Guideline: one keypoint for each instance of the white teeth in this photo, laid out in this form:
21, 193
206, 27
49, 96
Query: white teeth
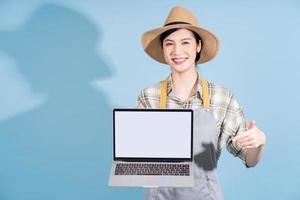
179, 59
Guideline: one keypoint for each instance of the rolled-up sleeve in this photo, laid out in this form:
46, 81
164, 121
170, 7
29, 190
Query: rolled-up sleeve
234, 124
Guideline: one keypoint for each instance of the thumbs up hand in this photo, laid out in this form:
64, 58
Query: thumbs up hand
252, 138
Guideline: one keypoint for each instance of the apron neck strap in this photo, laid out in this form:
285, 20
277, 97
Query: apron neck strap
164, 89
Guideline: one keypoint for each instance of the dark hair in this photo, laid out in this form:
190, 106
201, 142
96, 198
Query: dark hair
168, 32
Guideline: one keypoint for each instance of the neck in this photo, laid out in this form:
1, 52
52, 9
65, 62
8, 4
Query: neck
185, 84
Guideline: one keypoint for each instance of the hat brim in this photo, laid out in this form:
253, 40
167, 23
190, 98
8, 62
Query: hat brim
152, 46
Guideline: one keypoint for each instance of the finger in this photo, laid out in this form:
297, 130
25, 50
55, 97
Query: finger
242, 135
249, 144
244, 139
252, 124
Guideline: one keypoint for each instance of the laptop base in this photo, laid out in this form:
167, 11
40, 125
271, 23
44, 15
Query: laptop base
150, 181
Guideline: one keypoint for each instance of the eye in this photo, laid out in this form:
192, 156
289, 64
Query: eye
185, 42
168, 44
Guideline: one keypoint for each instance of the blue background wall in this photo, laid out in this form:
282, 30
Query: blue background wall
65, 64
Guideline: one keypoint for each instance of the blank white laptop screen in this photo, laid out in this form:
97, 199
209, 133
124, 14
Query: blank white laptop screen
152, 134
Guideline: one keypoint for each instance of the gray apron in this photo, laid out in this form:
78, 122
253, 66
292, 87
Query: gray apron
205, 161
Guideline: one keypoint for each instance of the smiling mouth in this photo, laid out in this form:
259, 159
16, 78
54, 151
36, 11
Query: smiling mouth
179, 61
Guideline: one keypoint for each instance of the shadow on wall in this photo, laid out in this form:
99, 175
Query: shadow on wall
61, 149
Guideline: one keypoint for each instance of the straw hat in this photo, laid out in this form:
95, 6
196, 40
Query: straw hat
180, 18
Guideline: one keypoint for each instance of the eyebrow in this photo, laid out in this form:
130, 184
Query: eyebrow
186, 39
169, 40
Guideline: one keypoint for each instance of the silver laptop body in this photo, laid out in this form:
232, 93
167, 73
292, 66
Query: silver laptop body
152, 148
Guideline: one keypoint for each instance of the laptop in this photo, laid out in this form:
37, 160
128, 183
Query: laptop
152, 148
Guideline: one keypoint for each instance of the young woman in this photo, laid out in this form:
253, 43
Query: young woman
182, 44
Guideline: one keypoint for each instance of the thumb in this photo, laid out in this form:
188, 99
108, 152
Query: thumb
252, 124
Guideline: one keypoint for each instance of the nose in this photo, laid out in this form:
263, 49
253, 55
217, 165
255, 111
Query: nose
177, 49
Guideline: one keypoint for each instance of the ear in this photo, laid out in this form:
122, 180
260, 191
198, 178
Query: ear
199, 46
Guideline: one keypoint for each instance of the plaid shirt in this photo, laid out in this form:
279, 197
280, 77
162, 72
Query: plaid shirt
228, 114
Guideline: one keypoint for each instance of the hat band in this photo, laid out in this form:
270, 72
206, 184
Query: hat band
178, 22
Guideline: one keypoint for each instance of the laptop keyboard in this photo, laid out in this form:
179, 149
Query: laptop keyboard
167, 169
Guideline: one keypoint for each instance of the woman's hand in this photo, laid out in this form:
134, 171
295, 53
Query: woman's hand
252, 138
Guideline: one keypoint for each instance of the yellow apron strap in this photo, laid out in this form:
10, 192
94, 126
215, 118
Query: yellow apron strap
163, 94
205, 97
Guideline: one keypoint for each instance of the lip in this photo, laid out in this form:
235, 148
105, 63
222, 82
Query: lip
179, 61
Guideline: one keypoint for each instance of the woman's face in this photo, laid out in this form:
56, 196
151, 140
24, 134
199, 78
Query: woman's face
180, 49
